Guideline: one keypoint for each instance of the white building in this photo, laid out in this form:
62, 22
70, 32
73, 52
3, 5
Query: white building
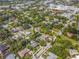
73, 54
52, 56
10, 56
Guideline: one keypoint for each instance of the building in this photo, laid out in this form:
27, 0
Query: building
3, 51
73, 54
10, 56
69, 34
37, 29
51, 56
34, 44
17, 29
24, 52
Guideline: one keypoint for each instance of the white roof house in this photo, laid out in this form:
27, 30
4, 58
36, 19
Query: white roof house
10, 56
52, 56
28, 32
4, 26
33, 43
58, 7
76, 57
74, 54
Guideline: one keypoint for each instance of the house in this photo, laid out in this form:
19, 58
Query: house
46, 37
24, 52
59, 33
34, 44
69, 34
5, 26
54, 38
3, 50
4, 7
51, 56
13, 19
76, 57
61, 7
73, 54
10, 56
37, 29
17, 29
72, 32
27, 33
26, 26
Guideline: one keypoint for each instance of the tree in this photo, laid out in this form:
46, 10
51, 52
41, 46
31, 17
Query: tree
5, 34
42, 42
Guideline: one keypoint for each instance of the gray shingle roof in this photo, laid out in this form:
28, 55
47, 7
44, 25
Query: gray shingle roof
3, 47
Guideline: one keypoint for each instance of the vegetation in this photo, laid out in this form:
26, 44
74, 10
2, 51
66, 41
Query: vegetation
28, 19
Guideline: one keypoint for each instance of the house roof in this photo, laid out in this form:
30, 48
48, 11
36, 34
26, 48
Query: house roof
10, 56
76, 57
52, 56
70, 34
33, 43
3, 47
23, 52
73, 52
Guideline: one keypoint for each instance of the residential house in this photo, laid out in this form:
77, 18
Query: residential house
10, 56
37, 29
34, 44
69, 34
24, 52
59, 33
27, 33
74, 54
72, 32
5, 26
46, 37
3, 51
26, 26
51, 56
17, 29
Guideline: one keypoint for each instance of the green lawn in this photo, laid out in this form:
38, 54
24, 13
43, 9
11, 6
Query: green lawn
61, 46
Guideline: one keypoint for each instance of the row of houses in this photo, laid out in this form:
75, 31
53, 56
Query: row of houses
6, 54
